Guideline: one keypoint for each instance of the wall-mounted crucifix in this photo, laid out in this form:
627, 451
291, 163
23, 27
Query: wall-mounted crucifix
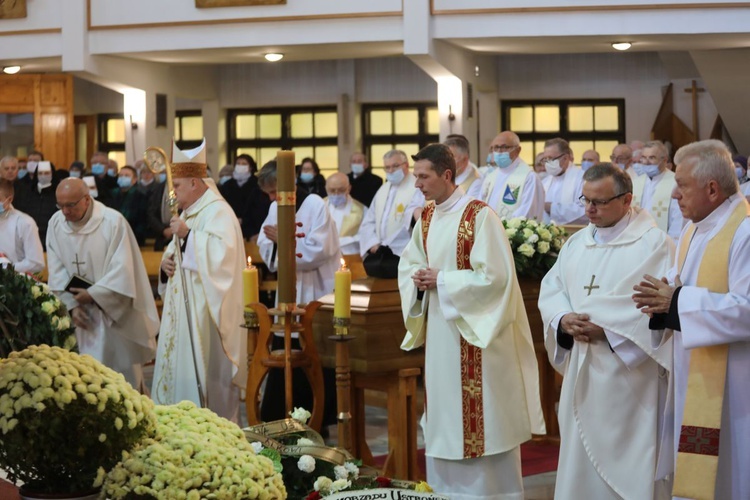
694, 89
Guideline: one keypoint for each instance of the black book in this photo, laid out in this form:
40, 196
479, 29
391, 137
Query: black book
78, 282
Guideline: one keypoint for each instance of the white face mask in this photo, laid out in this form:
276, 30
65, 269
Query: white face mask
358, 168
553, 167
242, 169
395, 177
44, 179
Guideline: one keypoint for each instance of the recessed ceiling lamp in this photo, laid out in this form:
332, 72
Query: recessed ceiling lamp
273, 57
621, 45
11, 70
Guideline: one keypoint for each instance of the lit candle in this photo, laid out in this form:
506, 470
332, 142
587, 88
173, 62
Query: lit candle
342, 292
250, 281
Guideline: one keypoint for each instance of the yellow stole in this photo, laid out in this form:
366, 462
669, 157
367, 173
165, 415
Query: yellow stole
351, 221
698, 451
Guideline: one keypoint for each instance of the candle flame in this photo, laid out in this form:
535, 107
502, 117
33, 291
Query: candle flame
249, 262
343, 263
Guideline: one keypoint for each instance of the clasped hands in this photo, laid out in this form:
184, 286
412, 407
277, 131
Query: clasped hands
425, 279
78, 315
581, 328
655, 295
272, 233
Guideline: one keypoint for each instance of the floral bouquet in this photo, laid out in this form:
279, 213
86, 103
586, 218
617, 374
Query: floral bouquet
535, 245
63, 416
30, 314
193, 454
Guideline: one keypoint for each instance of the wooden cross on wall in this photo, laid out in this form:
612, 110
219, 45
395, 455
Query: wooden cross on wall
694, 90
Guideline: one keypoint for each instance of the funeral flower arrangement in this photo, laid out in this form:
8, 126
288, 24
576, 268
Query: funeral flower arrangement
30, 314
63, 416
535, 245
193, 454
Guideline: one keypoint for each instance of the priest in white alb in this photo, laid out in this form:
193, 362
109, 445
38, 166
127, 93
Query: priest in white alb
20, 244
468, 177
346, 212
512, 189
213, 256
614, 382
562, 185
111, 302
704, 302
461, 299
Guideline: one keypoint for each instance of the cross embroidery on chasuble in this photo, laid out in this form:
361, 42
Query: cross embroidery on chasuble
659, 208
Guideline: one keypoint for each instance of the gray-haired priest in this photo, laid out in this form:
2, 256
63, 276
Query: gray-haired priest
460, 297
213, 256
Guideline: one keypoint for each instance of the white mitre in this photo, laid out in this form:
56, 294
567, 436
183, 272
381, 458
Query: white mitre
189, 163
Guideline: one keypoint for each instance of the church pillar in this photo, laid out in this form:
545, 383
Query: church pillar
215, 132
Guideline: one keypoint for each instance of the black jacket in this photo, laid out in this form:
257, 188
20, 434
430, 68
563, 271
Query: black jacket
365, 186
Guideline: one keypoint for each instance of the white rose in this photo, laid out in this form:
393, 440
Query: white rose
515, 222
257, 447
526, 250
306, 463
527, 233
533, 238
510, 232
340, 472
353, 469
300, 415
543, 247
64, 323
36, 291
340, 485
544, 234
48, 307
305, 442
322, 483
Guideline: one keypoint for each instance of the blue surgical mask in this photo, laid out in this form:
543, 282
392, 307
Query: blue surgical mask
112, 172
76, 174
306, 177
223, 179
162, 177
740, 172
638, 167
97, 168
337, 200
651, 170
124, 182
22, 173
502, 160
395, 177
586, 164
621, 165
358, 168
2, 209
488, 161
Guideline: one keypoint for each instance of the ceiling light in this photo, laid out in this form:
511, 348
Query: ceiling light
621, 45
11, 70
273, 57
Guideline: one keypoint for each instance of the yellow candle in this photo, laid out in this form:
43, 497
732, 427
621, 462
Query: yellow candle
342, 292
250, 281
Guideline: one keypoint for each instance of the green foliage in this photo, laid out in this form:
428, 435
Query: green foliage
535, 245
30, 314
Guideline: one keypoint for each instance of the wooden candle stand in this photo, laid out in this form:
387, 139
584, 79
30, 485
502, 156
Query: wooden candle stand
298, 320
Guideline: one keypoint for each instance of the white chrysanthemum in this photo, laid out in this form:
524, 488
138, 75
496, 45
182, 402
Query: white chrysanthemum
306, 463
300, 415
305, 442
340, 472
257, 446
352, 469
340, 485
322, 483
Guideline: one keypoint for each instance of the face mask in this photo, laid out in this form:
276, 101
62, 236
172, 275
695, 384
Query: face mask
586, 164
306, 177
638, 167
395, 177
488, 161
223, 179
22, 173
75, 174
337, 200
358, 168
502, 160
740, 172
242, 169
621, 165
112, 172
44, 180
124, 182
553, 167
241, 177
145, 182
97, 168
2, 209
651, 170
31, 166
163, 177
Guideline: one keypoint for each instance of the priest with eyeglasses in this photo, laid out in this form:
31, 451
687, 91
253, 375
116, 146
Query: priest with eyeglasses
614, 381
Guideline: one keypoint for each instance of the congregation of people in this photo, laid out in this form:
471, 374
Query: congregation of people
647, 299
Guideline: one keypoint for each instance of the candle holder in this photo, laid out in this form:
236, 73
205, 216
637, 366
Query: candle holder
251, 319
343, 381
341, 326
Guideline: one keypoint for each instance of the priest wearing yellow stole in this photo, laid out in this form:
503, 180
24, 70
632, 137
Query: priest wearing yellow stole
461, 299
615, 382
213, 256
704, 301
346, 212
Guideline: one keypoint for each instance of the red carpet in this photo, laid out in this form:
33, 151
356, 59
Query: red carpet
536, 458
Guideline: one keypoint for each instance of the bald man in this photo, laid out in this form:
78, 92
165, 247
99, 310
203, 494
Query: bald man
96, 269
20, 244
512, 189
346, 212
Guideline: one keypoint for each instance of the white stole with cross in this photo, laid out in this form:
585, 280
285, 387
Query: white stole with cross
396, 213
659, 204
502, 191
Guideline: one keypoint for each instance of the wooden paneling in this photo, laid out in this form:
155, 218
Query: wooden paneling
50, 98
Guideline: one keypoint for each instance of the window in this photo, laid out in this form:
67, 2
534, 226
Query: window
585, 124
408, 127
309, 132
112, 137
188, 129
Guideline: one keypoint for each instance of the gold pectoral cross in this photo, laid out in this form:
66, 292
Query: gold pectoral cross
591, 285
78, 266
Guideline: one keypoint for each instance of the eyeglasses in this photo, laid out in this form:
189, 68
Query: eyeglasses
70, 205
583, 201
503, 148
545, 160
394, 167
652, 160
620, 159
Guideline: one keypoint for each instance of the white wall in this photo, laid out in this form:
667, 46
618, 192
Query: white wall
90, 98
